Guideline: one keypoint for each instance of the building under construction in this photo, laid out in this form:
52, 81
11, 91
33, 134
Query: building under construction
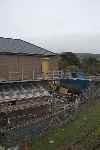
20, 60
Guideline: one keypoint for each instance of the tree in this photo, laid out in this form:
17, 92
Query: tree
68, 60
91, 65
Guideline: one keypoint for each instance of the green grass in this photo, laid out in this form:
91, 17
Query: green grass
83, 131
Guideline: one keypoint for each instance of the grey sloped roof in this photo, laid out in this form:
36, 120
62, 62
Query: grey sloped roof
17, 46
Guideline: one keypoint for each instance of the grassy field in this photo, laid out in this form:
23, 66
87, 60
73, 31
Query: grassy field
81, 134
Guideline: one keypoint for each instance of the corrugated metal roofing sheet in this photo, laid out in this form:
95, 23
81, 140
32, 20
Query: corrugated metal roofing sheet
17, 46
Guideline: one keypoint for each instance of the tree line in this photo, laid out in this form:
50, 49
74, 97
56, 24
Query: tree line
70, 61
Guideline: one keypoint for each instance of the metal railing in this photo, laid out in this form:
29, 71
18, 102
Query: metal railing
50, 75
14, 75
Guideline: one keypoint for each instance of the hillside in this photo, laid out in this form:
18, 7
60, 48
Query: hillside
86, 55
80, 134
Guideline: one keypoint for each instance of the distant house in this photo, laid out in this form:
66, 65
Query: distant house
20, 60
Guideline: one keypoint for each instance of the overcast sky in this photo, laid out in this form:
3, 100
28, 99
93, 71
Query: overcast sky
59, 25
